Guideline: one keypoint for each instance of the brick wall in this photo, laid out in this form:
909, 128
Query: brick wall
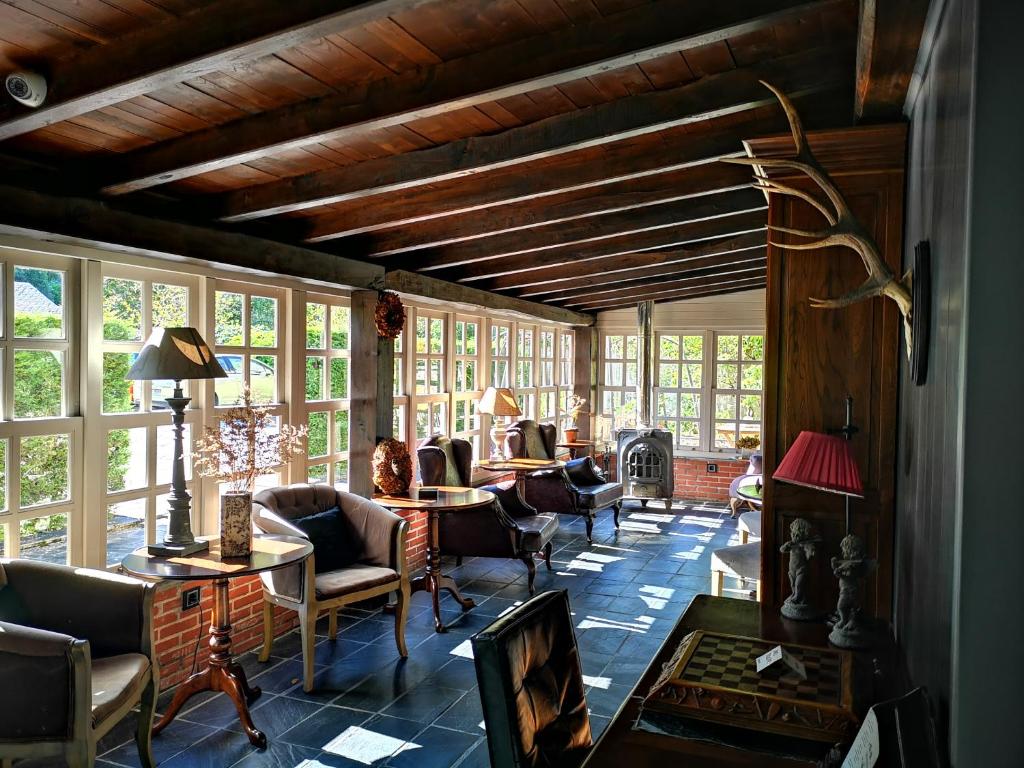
177, 632
691, 479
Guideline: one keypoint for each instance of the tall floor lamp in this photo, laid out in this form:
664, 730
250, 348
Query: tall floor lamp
177, 354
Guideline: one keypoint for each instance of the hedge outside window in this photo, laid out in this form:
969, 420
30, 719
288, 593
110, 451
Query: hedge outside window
328, 332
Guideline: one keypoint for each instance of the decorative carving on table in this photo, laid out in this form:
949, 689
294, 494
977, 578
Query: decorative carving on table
236, 524
713, 677
851, 629
389, 315
801, 547
392, 466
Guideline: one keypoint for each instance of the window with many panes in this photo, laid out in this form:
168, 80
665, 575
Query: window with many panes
429, 391
739, 385
566, 368
524, 380
680, 381
467, 387
401, 399
327, 390
547, 393
618, 379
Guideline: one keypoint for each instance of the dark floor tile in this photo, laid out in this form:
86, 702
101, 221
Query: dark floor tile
279, 678
437, 748
220, 711
175, 738
424, 703
372, 743
324, 726
278, 755
457, 673
278, 715
478, 757
465, 715
597, 725
220, 749
606, 701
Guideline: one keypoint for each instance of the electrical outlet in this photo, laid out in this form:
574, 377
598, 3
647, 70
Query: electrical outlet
712, 469
190, 599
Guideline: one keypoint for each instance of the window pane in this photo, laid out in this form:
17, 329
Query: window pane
38, 383
752, 377
753, 347
228, 319
3, 479
668, 375
165, 453
126, 529
341, 471
228, 391
317, 474
689, 405
38, 303
44, 469
119, 396
316, 440
122, 310
668, 348
630, 374
340, 321
341, 431
631, 352
339, 378
170, 306
262, 321
725, 406
398, 422
727, 376
439, 422
691, 376
728, 347
397, 385
460, 337
45, 538
316, 317
436, 336
471, 333
421, 335
613, 347
421, 377
688, 433
470, 375
435, 376
314, 378
725, 435
422, 420
263, 378
126, 459
693, 347
750, 407
667, 404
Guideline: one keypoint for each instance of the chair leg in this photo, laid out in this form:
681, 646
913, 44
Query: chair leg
401, 614
332, 623
307, 630
717, 583
82, 755
547, 555
531, 570
590, 529
268, 630
744, 535
615, 514
144, 725
759, 590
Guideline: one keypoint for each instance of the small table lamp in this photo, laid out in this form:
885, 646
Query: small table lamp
177, 354
498, 402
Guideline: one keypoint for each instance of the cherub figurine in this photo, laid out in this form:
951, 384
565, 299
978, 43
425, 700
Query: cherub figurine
801, 547
851, 631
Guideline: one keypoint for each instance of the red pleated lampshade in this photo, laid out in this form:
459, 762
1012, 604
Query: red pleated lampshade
821, 461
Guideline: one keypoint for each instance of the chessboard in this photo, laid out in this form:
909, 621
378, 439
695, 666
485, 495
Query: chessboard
714, 677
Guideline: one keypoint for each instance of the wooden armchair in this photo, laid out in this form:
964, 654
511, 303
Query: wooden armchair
76, 655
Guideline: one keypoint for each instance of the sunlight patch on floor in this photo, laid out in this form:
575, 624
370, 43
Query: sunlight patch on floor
641, 625
629, 525
597, 682
653, 517
464, 649
692, 554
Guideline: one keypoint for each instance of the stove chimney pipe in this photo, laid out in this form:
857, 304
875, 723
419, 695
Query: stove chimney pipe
645, 364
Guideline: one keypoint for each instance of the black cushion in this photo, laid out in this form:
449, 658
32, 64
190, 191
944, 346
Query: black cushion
334, 545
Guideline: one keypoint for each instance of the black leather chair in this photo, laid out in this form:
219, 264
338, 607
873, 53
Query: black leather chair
579, 489
76, 655
531, 686
508, 528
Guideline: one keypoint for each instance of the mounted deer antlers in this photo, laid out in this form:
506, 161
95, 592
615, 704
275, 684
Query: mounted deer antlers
843, 229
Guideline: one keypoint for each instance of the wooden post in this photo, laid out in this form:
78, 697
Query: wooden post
386, 388
363, 402
584, 382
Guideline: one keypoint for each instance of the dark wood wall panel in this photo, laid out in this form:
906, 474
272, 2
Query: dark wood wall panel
814, 358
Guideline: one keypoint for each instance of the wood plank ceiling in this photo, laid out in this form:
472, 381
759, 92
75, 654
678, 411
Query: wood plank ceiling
561, 151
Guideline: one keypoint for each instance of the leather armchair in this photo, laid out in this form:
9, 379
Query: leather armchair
76, 655
508, 528
579, 489
381, 567
531, 686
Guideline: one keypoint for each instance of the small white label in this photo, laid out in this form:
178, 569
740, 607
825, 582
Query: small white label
865, 749
778, 653
766, 660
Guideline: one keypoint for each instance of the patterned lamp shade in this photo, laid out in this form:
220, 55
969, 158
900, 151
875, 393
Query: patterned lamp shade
824, 462
499, 401
175, 353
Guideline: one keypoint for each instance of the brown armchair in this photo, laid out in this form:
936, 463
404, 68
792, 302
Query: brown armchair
579, 489
507, 528
380, 566
76, 655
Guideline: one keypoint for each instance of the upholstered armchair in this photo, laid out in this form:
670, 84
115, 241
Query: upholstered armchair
376, 538
76, 655
531, 686
507, 528
579, 489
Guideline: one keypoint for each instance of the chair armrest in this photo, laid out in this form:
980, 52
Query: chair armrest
583, 472
511, 501
49, 671
382, 531
114, 613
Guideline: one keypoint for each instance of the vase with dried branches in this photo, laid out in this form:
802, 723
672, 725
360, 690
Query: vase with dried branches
247, 443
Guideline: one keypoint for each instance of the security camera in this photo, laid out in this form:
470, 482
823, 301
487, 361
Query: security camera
29, 88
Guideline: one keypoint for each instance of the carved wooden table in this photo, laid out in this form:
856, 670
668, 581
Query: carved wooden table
223, 673
449, 498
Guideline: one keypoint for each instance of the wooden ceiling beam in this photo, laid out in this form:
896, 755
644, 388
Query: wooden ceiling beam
415, 284
589, 204
211, 38
581, 233
624, 39
84, 222
675, 237
643, 289
713, 96
710, 265
719, 289
888, 37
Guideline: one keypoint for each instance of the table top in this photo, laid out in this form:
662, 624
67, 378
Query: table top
269, 552
575, 444
519, 465
448, 497
750, 490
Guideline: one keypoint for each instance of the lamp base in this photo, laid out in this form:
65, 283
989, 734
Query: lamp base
497, 441
177, 550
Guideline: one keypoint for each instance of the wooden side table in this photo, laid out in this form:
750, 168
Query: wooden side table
449, 498
521, 468
223, 673
577, 447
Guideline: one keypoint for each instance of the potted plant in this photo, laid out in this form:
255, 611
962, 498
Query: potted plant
747, 444
575, 407
248, 443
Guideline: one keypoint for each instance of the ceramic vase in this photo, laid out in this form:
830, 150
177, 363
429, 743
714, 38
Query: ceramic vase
236, 524
571, 435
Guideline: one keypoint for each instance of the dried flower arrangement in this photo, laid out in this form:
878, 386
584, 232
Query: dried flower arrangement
247, 444
392, 466
576, 406
748, 443
389, 315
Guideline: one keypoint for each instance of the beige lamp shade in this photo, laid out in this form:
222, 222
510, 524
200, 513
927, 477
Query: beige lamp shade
499, 401
177, 354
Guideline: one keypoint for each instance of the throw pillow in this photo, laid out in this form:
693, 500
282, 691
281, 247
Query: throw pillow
334, 541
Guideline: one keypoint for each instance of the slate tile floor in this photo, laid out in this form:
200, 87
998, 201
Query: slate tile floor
370, 709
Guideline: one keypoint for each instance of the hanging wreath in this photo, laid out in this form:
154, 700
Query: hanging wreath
392, 467
389, 315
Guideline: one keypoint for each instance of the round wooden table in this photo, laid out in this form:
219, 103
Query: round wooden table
448, 498
521, 468
223, 674
575, 446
